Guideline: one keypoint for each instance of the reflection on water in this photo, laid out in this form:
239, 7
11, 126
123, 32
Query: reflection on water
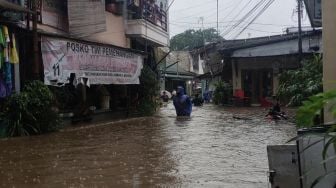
210, 149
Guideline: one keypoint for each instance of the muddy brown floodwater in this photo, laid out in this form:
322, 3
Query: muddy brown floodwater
216, 147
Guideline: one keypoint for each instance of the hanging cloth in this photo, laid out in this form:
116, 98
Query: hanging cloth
6, 33
5, 55
2, 38
3, 90
14, 57
8, 78
1, 58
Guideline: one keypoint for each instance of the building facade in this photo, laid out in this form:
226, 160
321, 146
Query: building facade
103, 44
252, 66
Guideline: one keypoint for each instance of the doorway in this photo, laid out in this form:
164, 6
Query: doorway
257, 84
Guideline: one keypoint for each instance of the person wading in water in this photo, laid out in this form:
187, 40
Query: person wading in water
182, 103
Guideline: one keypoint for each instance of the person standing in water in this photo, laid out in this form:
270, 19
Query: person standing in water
182, 103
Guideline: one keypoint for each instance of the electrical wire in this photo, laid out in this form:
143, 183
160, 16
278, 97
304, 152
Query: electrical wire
170, 5
237, 5
194, 6
232, 21
252, 29
246, 16
256, 17
196, 15
239, 12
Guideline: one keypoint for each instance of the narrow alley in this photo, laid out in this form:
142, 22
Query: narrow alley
216, 147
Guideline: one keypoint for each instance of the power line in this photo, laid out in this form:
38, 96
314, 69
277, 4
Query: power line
209, 11
237, 5
232, 21
239, 12
246, 16
252, 29
170, 5
269, 3
196, 15
194, 6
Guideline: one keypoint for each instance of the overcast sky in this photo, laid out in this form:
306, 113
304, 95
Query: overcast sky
185, 14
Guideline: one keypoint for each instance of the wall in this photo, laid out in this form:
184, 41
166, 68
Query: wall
184, 60
329, 42
115, 32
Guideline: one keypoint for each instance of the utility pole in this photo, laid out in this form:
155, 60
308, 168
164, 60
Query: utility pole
300, 29
34, 4
217, 21
201, 19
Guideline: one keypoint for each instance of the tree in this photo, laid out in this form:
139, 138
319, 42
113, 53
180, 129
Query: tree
191, 38
298, 85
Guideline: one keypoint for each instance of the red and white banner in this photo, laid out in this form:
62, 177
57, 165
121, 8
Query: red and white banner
99, 63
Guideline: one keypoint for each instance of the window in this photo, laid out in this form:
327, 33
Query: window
114, 6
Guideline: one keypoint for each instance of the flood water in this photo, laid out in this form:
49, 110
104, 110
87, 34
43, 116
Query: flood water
216, 147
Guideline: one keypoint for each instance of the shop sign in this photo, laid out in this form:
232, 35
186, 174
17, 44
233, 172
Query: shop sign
99, 63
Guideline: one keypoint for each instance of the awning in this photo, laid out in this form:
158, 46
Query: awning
13, 7
182, 77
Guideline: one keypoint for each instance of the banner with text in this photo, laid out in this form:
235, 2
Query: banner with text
100, 64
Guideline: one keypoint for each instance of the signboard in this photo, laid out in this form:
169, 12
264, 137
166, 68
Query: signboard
54, 14
314, 9
86, 17
100, 64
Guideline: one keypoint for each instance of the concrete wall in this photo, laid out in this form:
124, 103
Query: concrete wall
146, 30
329, 42
184, 60
114, 34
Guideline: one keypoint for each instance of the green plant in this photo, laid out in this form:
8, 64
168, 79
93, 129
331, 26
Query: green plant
191, 38
17, 119
297, 85
305, 118
149, 90
223, 93
30, 112
40, 104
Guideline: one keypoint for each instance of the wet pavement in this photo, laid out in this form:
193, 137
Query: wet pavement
216, 147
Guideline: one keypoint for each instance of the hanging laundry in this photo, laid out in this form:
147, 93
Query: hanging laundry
8, 78
1, 59
14, 57
6, 33
3, 90
6, 55
2, 38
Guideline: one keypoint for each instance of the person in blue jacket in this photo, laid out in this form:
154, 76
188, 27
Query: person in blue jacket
182, 103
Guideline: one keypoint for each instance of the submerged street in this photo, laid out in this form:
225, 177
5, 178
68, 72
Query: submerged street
216, 147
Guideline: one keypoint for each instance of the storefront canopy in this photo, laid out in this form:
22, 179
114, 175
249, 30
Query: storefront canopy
5, 5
